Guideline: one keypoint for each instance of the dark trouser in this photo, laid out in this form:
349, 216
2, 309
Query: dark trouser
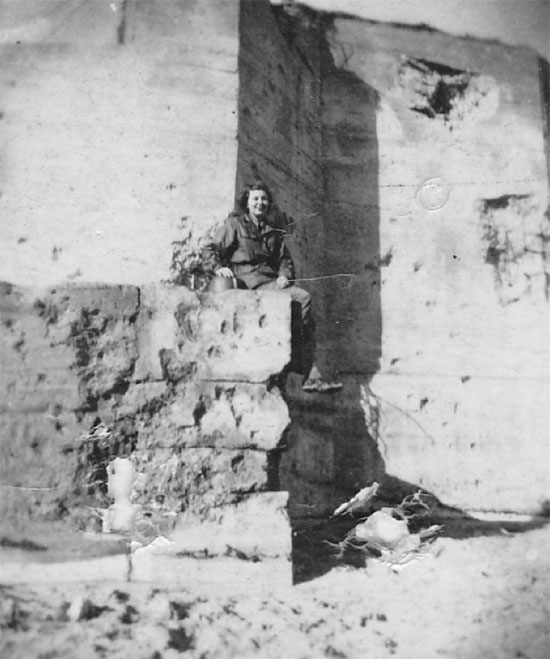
303, 335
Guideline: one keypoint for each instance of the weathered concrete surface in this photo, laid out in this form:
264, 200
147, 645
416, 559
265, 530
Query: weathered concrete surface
309, 129
330, 454
157, 326
197, 479
86, 379
480, 447
463, 193
280, 131
425, 233
351, 221
247, 544
255, 527
62, 351
205, 414
119, 124
410, 164
231, 336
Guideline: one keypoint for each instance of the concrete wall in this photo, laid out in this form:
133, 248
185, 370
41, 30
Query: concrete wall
119, 132
460, 398
178, 382
429, 256
351, 221
409, 165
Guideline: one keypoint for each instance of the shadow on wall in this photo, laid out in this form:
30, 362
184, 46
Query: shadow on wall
351, 263
544, 73
330, 453
352, 340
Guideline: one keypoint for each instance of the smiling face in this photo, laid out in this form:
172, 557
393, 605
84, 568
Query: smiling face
258, 203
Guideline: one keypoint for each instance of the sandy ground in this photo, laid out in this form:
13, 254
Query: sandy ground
484, 595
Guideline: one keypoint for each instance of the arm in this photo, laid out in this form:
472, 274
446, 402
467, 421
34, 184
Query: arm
286, 267
217, 254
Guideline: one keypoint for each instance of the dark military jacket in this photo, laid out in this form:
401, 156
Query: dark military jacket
256, 255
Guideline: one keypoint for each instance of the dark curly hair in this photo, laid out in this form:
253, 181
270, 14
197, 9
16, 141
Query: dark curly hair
255, 185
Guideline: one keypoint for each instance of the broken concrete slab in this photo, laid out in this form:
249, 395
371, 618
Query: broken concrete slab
198, 478
208, 414
99, 386
233, 336
256, 527
157, 326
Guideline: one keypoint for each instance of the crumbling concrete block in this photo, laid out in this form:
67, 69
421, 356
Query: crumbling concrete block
203, 413
198, 478
98, 323
255, 528
157, 326
245, 415
235, 336
246, 540
99, 386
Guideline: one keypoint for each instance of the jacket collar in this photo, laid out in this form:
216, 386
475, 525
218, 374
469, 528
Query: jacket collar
263, 225
266, 224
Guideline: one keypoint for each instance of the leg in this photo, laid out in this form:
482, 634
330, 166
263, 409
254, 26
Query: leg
314, 381
303, 330
303, 334
297, 294
303, 340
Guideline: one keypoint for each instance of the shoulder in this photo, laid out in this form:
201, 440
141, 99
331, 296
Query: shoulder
229, 225
234, 219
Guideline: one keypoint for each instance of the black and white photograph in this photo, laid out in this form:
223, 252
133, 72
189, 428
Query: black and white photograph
274, 329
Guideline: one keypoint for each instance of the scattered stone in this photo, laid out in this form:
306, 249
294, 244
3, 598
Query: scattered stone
130, 615
179, 610
358, 502
385, 534
12, 616
382, 529
158, 608
82, 608
120, 596
179, 640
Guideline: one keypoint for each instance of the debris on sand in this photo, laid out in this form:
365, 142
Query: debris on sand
385, 534
358, 502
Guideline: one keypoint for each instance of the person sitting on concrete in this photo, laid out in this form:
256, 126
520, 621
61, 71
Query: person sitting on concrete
250, 249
